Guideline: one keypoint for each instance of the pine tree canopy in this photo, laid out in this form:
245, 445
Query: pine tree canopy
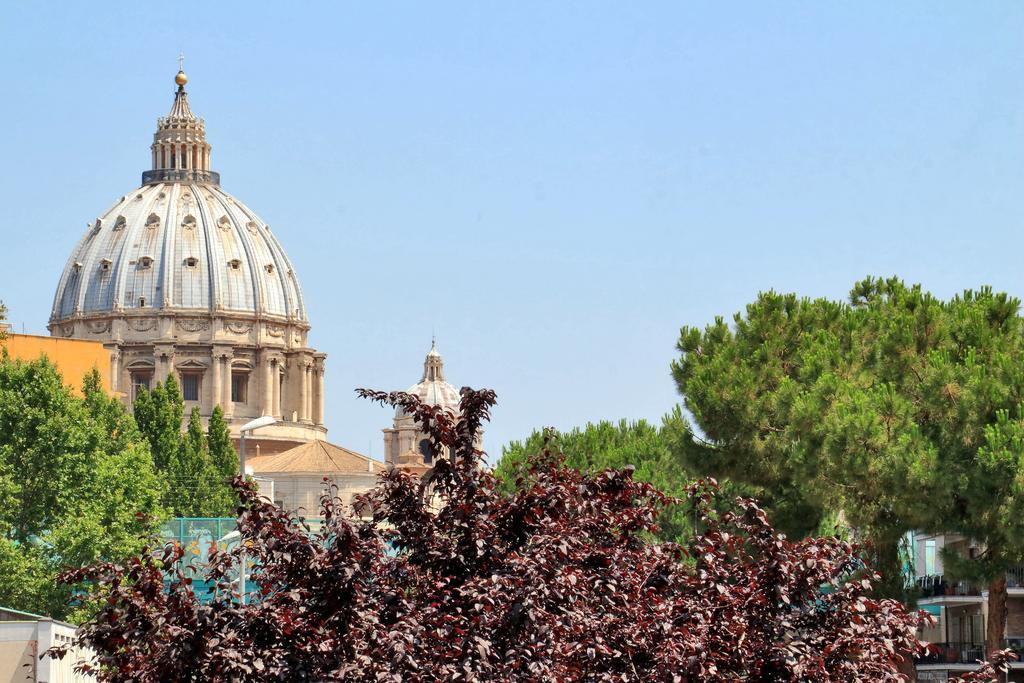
898, 408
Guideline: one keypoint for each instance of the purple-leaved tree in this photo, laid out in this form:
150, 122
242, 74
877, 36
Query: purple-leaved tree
453, 579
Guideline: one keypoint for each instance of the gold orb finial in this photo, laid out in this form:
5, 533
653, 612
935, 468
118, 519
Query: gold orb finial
181, 78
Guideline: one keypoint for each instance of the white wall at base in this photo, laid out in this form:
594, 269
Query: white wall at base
23, 640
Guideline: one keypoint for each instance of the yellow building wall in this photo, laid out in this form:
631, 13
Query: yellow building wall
73, 357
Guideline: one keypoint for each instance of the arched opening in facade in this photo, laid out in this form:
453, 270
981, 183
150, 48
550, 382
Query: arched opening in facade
427, 451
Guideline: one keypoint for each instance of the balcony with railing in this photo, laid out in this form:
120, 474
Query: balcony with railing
936, 588
952, 653
1015, 578
937, 585
180, 175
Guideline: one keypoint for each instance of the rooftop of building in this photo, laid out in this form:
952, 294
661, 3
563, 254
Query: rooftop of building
315, 457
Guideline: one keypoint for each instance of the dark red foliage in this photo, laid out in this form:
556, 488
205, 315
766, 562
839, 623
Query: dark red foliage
994, 669
558, 582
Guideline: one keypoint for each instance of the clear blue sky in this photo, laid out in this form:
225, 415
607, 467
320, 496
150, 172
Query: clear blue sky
554, 188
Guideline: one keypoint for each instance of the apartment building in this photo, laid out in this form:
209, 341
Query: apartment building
957, 639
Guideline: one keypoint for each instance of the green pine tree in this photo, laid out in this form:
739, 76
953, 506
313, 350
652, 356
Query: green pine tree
902, 410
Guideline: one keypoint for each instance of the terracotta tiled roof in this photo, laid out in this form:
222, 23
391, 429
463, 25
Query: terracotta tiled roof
316, 457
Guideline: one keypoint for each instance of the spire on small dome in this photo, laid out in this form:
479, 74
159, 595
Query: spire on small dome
433, 365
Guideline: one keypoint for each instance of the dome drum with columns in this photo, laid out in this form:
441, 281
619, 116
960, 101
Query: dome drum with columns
179, 276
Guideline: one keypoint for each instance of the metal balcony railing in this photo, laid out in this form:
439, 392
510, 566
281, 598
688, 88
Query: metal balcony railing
952, 653
172, 175
937, 585
1015, 578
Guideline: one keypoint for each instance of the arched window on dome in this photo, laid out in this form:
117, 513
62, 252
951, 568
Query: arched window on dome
145, 262
427, 451
235, 264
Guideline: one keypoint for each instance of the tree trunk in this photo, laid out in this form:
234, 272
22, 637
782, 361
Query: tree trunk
996, 626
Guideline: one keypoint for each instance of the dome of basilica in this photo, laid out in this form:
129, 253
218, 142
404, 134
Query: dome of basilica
178, 246
179, 278
179, 242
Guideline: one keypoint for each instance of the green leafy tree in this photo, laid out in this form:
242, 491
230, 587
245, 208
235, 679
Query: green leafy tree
901, 410
191, 471
608, 445
223, 465
159, 413
75, 475
195, 463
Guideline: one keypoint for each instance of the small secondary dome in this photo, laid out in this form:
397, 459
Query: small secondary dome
432, 389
